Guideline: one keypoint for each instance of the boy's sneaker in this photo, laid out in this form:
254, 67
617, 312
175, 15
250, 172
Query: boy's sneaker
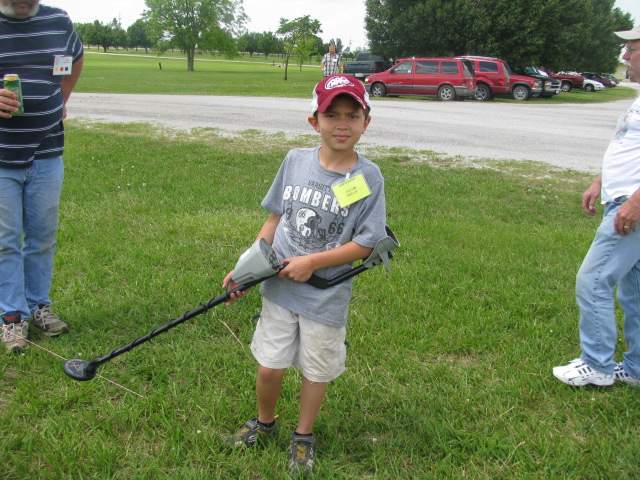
48, 322
250, 432
303, 453
14, 332
621, 375
578, 374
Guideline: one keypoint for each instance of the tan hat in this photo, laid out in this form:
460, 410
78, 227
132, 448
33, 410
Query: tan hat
629, 34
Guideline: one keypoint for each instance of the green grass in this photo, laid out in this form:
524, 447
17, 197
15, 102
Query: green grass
141, 73
580, 96
449, 359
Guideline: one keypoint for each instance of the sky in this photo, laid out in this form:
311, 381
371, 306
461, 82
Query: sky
342, 19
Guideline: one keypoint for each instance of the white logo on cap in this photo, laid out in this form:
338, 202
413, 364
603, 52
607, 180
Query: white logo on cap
337, 82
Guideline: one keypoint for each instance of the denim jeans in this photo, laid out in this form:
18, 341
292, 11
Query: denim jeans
613, 260
29, 202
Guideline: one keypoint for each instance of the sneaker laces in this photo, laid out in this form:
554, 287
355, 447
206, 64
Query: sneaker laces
7, 331
46, 316
14, 329
301, 451
620, 372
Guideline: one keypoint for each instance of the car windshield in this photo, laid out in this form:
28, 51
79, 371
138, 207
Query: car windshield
508, 68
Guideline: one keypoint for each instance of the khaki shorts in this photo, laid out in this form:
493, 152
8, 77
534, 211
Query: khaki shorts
283, 339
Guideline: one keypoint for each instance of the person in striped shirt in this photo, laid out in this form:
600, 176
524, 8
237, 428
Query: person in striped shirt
330, 63
39, 44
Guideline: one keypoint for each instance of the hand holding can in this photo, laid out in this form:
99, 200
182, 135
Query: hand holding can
12, 83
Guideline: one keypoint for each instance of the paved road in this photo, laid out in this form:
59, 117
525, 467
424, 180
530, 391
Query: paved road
565, 135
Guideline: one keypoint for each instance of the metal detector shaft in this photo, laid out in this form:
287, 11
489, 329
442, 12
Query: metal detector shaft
85, 370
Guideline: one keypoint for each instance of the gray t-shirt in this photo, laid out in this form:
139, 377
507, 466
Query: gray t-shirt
312, 221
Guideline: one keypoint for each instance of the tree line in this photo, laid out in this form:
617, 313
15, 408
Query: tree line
210, 26
558, 34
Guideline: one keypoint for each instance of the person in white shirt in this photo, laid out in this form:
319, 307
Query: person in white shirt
613, 259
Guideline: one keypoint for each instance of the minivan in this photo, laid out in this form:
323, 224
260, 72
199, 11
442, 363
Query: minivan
447, 78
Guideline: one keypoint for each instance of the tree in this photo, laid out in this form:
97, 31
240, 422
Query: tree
559, 34
141, 35
248, 42
294, 34
82, 29
268, 43
118, 34
101, 35
192, 24
337, 42
306, 46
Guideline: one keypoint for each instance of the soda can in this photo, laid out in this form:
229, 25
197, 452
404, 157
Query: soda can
12, 82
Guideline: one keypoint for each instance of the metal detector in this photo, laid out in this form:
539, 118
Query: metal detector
254, 266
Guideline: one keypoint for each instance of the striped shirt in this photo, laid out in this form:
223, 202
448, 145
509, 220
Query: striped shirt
330, 64
28, 47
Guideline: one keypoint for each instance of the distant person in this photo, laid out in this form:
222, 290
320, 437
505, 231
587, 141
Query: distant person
331, 62
313, 232
614, 257
39, 44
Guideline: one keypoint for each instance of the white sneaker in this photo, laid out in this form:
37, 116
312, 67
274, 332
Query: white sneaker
14, 335
621, 375
578, 374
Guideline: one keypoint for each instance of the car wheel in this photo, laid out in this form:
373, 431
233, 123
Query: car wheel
482, 93
589, 88
566, 86
378, 90
520, 92
446, 93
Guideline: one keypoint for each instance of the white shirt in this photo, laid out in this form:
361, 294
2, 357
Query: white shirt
621, 163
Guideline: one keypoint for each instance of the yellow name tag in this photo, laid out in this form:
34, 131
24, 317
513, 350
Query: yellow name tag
351, 190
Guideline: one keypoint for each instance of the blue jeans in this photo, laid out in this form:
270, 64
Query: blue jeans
29, 202
613, 260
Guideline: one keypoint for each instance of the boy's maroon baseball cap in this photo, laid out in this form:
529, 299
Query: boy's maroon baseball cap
330, 87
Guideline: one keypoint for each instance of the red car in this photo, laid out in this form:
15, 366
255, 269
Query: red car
447, 78
569, 80
494, 77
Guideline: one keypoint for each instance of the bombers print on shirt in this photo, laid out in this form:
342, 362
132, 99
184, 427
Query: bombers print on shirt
311, 220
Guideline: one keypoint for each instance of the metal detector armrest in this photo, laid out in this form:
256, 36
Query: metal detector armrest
258, 262
381, 254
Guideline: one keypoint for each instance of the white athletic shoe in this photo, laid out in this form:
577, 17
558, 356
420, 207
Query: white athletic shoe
621, 375
578, 374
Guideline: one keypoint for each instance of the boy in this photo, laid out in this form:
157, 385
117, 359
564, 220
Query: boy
313, 232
